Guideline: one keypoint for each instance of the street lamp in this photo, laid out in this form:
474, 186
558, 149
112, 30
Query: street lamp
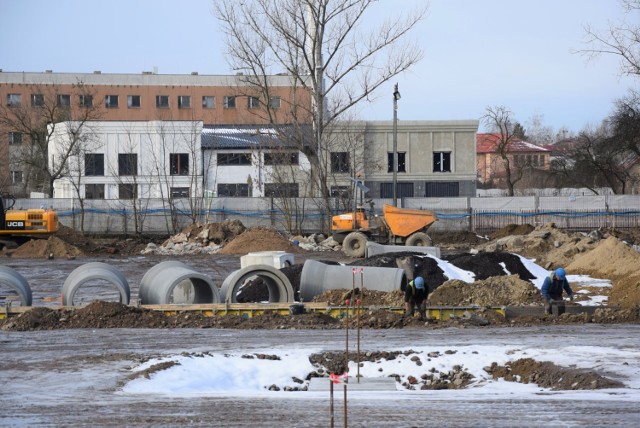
396, 97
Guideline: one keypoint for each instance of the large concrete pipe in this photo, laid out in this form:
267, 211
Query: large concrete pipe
278, 285
277, 259
178, 283
95, 271
318, 277
12, 279
374, 249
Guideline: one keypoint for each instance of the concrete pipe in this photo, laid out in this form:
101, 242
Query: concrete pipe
13, 280
318, 277
375, 249
178, 283
278, 285
95, 271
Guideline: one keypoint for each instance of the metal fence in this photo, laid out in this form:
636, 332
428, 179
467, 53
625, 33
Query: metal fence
305, 215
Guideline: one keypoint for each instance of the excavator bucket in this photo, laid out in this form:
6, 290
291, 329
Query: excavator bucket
404, 221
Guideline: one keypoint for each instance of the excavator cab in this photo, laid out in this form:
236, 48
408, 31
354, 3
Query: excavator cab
18, 226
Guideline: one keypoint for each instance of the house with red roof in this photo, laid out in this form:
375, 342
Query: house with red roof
524, 158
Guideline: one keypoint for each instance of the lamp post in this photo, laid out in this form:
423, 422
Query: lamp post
396, 97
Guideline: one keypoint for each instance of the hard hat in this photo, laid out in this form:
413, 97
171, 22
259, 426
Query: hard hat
419, 282
561, 274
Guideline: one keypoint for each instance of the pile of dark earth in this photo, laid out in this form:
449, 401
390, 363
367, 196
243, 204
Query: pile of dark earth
483, 265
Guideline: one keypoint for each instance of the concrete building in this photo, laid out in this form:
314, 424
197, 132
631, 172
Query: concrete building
48, 97
130, 160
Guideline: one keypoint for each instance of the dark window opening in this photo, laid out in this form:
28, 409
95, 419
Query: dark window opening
441, 162
127, 164
233, 190
281, 158
234, 159
179, 163
401, 162
94, 164
94, 191
340, 162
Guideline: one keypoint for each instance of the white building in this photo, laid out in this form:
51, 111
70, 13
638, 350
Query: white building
127, 160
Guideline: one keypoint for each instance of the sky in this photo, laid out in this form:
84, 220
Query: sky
477, 53
232, 374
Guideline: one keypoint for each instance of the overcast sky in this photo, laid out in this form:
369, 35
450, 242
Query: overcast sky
478, 53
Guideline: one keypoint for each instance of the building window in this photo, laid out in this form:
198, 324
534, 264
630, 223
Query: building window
94, 191
342, 192
274, 102
111, 101
230, 102
281, 190
15, 138
340, 162
402, 166
86, 101
234, 159
184, 101
162, 101
442, 189
94, 164
14, 100
133, 101
16, 177
179, 192
404, 190
233, 190
63, 100
127, 191
281, 158
179, 163
37, 100
208, 101
127, 164
441, 161
253, 102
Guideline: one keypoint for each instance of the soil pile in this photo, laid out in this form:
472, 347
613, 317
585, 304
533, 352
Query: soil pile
51, 248
259, 239
614, 260
494, 291
512, 229
549, 375
548, 245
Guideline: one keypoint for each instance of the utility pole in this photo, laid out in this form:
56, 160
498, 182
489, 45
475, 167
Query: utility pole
396, 97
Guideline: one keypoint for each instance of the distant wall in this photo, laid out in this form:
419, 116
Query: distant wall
480, 215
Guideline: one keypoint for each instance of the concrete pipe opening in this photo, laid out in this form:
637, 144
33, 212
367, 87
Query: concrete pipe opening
14, 288
257, 283
318, 277
95, 281
174, 282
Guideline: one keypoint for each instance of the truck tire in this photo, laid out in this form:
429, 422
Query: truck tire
418, 239
355, 244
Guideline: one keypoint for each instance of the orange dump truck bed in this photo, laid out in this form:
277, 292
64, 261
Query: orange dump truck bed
404, 221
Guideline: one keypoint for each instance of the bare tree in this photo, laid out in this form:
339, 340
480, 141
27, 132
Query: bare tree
621, 39
325, 48
37, 119
498, 119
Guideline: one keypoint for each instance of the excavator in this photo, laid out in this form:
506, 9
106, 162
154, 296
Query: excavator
396, 226
18, 226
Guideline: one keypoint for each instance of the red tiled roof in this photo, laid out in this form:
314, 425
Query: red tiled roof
486, 143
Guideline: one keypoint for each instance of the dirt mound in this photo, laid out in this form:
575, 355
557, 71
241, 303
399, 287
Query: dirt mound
549, 375
259, 239
368, 298
512, 229
494, 291
615, 260
548, 245
50, 248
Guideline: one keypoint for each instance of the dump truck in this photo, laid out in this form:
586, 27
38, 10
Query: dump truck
396, 226
19, 226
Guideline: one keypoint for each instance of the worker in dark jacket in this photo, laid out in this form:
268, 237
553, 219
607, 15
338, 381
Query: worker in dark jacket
553, 286
415, 295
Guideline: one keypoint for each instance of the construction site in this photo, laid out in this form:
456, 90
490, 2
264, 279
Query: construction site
97, 305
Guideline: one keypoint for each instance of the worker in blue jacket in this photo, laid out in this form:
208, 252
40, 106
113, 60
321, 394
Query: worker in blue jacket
553, 286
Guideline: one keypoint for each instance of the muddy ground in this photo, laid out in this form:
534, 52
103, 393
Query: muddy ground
602, 254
